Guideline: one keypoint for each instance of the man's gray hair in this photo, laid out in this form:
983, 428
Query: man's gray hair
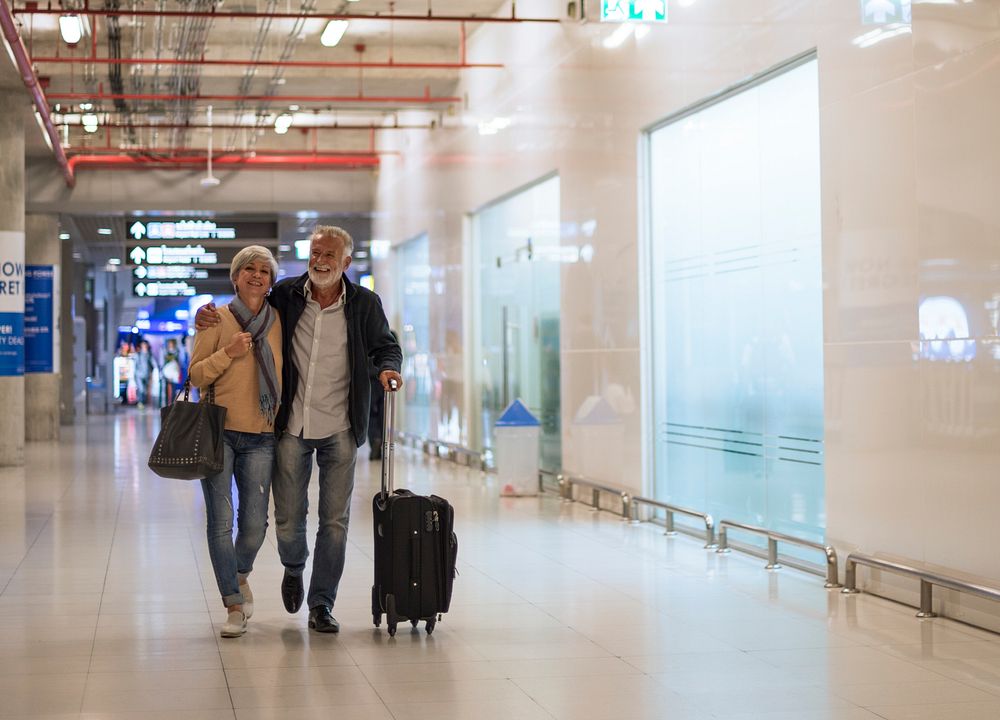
249, 254
334, 233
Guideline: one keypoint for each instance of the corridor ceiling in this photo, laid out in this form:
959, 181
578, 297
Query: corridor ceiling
148, 78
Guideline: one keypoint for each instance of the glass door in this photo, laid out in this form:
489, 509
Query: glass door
517, 247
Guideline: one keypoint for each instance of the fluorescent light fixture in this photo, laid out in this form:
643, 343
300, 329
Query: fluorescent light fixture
86, 106
89, 122
114, 261
293, 108
335, 30
619, 36
103, 231
71, 29
282, 123
64, 236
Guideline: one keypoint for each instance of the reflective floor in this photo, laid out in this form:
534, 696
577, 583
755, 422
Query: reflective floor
109, 609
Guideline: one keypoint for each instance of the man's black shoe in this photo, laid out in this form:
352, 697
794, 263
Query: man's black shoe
375, 453
291, 592
322, 621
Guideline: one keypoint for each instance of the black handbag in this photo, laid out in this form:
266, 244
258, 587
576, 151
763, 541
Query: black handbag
189, 445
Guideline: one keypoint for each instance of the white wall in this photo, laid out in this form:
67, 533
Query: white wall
910, 181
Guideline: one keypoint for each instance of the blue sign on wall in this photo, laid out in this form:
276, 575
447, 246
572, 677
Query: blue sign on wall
39, 318
11, 344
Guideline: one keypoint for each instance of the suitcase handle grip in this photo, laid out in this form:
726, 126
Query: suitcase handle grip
388, 439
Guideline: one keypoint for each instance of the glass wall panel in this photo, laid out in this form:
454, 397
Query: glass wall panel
736, 314
518, 256
414, 272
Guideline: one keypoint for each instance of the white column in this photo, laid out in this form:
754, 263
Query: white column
42, 331
12, 110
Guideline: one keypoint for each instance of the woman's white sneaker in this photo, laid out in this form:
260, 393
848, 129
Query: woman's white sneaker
236, 625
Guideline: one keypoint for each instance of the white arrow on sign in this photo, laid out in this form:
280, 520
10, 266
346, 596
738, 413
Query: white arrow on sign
140, 289
140, 272
137, 255
137, 230
651, 9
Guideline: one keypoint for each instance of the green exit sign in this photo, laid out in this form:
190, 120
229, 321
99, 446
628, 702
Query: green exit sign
634, 11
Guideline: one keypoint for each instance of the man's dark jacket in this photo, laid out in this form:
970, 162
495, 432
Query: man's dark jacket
369, 341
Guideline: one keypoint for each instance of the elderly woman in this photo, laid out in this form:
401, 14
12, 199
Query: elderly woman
241, 357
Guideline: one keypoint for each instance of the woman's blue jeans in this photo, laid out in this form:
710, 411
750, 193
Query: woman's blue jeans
250, 458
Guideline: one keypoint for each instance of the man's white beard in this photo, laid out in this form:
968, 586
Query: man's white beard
323, 280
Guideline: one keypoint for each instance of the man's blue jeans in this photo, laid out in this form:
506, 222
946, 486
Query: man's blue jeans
335, 456
250, 457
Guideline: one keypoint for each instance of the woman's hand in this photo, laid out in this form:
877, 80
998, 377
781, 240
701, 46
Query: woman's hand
239, 345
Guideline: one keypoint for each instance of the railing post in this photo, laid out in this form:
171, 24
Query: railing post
626, 507
926, 600
668, 523
772, 555
709, 533
634, 512
851, 578
832, 569
595, 496
723, 540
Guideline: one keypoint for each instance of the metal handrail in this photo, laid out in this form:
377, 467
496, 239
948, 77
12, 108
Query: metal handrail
567, 482
928, 580
773, 537
549, 473
433, 446
669, 520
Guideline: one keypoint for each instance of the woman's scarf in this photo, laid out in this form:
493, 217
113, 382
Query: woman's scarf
259, 326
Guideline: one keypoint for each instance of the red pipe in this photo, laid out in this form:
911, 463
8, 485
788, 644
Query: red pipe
266, 63
23, 63
200, 152
236, 126
284, 16
400, 100
127, 162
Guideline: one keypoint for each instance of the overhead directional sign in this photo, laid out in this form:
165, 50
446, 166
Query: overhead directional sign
180, 230
155, 289
634, 11
172, 255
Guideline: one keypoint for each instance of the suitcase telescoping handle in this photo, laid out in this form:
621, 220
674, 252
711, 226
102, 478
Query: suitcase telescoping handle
388, 439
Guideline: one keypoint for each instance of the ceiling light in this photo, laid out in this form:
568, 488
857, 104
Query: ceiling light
335, 30
89, 122
86, 106
64, 236
114, 261
282, 123
619, 36
293, 108
71, 29
103, 231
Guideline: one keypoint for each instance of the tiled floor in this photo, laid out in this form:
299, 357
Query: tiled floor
109, 610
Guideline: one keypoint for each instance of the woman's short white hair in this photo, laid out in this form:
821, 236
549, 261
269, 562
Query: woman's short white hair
334, 233
249, 254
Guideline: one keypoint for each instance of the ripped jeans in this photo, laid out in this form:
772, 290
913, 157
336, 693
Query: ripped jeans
250, 458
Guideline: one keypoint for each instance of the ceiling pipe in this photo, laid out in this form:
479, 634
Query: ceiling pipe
259, 162
81, 60
237, 126
425, 99
226, 15
23, 62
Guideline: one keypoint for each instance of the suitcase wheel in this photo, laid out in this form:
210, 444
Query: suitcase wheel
430, 626
392, 629
390, 614
377, 619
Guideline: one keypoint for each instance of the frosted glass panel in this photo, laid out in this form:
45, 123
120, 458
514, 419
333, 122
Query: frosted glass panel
414, 273
737, 307
517, 244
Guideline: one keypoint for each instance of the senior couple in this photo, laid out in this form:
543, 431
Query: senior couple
290, 363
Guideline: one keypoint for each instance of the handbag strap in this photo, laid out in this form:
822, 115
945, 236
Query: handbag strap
209, 396
187, 388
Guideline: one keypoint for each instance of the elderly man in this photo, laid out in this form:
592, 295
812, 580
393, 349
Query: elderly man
332, 331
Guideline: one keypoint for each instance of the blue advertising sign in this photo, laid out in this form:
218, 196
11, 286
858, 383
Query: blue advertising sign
39, 318
11, 344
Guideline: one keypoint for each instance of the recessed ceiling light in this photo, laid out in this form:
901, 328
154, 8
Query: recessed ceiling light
64, 236
71, 28
103, 231
114, 261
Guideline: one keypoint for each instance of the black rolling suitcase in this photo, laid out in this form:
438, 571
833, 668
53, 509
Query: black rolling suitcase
415, 548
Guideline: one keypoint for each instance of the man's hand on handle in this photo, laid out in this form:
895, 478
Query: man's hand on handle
206, 317
387, 376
